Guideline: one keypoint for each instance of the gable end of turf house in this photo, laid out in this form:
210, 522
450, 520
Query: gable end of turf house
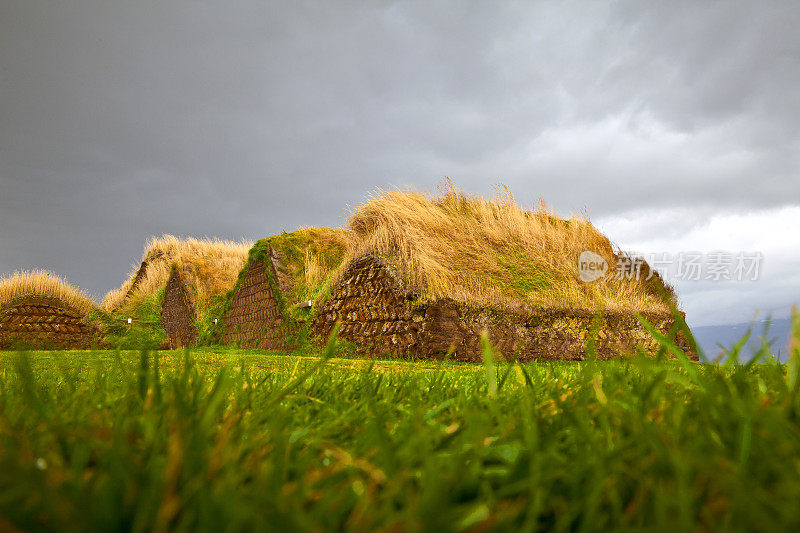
178, 313
254, 315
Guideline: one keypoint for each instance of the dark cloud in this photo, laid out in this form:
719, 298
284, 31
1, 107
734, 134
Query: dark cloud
123, 120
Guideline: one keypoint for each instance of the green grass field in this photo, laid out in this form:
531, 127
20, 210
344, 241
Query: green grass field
237, 440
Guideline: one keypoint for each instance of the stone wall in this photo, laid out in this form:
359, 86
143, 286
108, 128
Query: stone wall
35, 322
254, 319
178, 313
378, 316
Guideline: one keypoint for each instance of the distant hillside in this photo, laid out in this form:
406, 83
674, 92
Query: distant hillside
708, 337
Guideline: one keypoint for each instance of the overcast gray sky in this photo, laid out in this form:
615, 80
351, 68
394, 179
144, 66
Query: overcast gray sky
676, 125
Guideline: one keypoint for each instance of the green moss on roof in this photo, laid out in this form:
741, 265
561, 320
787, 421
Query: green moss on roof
307, 259
306, 262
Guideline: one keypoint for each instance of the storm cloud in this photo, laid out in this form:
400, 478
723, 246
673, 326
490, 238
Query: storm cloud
119, 121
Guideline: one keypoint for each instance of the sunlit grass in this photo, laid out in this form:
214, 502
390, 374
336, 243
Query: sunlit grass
227, 440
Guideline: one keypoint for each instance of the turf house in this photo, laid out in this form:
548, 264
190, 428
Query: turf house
427, 276
175, 293
42, 311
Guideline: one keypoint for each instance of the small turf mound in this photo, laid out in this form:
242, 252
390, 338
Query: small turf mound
42, 311
281, 272
200, 271
428, 276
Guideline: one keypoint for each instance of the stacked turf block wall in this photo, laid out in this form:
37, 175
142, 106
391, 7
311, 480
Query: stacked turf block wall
255, 317
373, 310
380, 317
37, 322
178, 314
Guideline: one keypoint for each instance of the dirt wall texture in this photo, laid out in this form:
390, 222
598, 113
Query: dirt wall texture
178, 313
255, 318
380, 317
45, 323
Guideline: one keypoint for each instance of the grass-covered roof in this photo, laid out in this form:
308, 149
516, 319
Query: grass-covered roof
43, 284
492, 252
209, 267
305, 261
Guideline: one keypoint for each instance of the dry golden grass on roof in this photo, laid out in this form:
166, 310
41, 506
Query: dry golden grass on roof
491, 252
43, 284
208, 266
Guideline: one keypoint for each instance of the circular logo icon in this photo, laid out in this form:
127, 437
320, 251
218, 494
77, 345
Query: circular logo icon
591, 266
